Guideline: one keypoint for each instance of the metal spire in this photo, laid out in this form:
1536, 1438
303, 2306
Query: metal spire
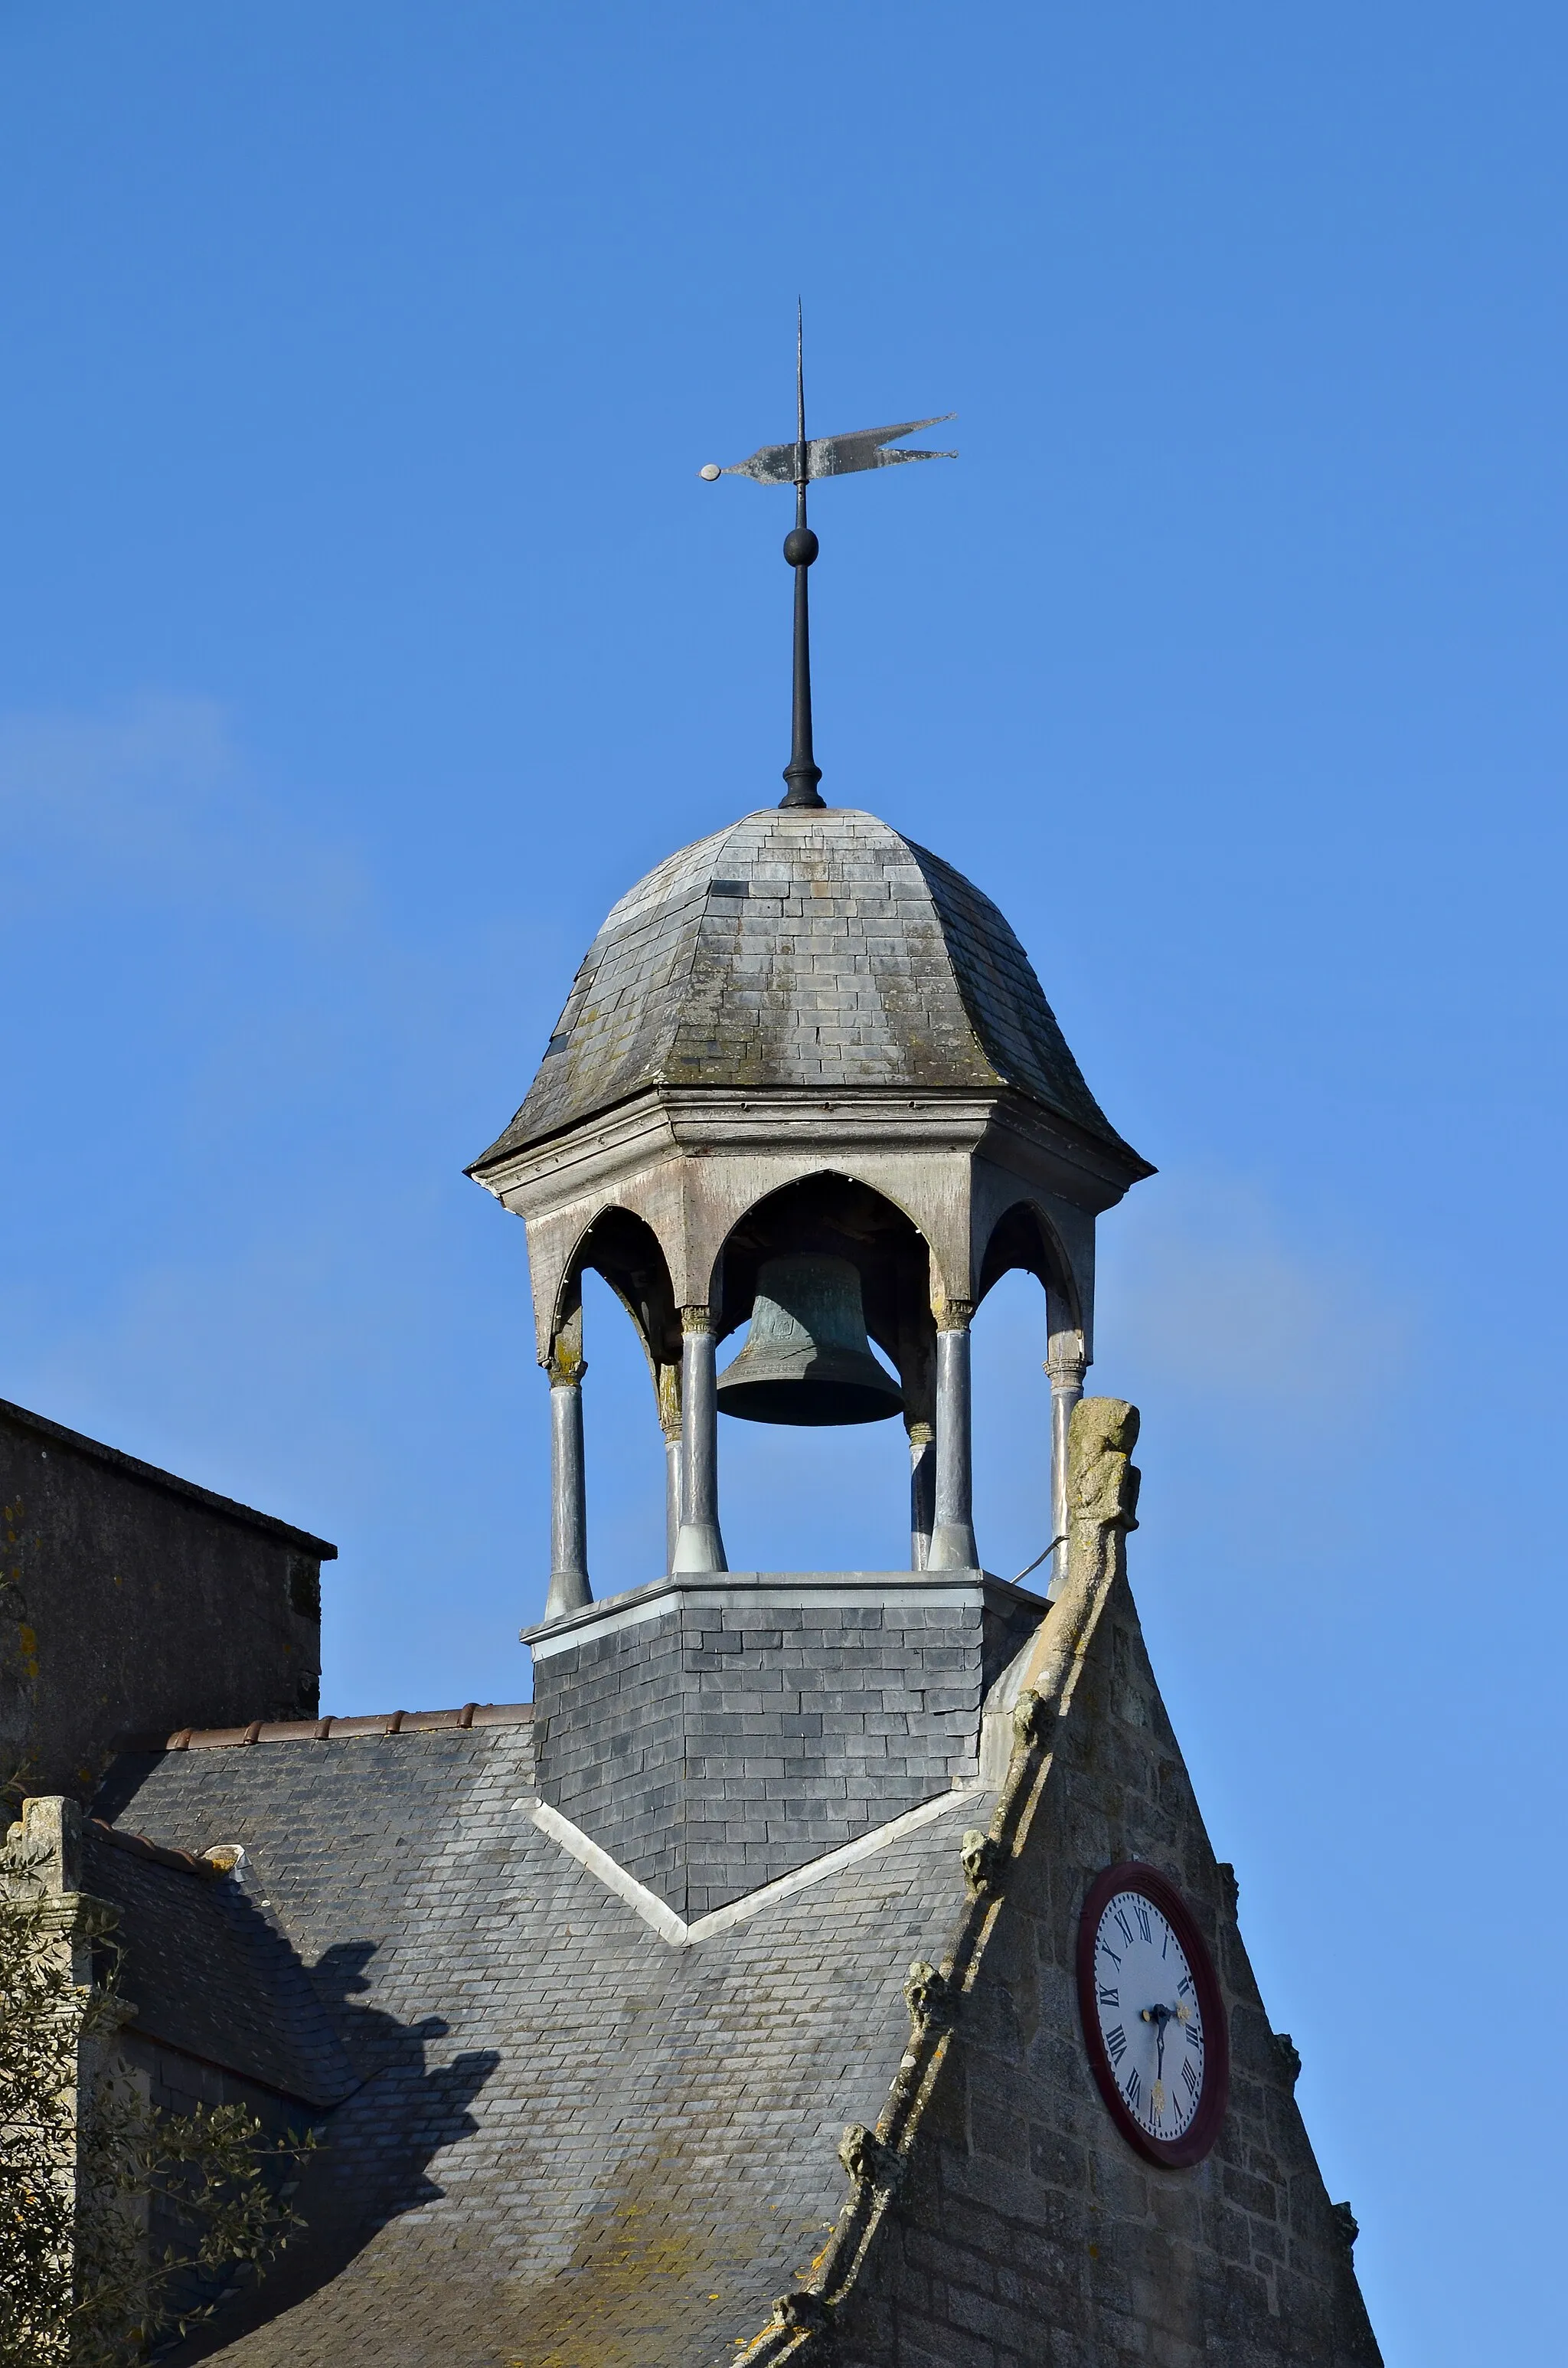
802, 772
797, 463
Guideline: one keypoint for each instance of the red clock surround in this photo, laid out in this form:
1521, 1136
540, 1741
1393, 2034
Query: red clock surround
1172, 2154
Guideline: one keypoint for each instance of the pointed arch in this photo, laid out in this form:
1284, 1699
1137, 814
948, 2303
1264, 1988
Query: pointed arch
624, 1251
1023, 1238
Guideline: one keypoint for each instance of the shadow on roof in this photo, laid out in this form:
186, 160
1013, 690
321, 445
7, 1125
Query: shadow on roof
375, 2148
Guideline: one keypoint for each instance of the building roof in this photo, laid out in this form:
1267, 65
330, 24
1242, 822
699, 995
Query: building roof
210, 1975
582, 2132
802, 948
570, 2135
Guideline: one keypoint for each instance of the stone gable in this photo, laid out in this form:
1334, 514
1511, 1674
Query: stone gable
1027, 2230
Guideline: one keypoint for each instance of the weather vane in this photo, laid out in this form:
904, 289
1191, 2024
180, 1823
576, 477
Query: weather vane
795, 464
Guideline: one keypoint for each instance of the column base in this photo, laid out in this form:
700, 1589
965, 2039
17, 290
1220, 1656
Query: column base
699, 1546
569, 1591
953, 1547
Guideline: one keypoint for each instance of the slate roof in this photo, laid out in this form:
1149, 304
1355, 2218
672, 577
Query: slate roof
802, 948
210, 1975
571, 2137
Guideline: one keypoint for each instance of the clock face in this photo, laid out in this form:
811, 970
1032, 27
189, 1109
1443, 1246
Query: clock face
1152, 2016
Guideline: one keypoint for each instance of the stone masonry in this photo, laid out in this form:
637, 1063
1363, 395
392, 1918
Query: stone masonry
1026, 2229
130, 1600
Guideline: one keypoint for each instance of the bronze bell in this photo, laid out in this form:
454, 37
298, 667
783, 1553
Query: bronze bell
807, 1358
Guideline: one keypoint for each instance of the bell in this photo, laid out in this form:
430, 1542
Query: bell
807, 1358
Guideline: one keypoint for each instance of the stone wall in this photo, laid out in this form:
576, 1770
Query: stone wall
1027, 2229
714, 1734
131, 1599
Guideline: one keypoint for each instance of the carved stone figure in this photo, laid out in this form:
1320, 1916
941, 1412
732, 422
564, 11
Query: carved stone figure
863, 2155
982, 1862
1102, 1501
927, 1995
800, 2311
1102, 1480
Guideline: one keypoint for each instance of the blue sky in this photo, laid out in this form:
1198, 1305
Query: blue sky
365, 631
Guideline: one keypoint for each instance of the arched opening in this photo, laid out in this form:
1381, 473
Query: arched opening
1021, 1239
1012, 1427
1028, 1374
625, 1452
624, 1249
800, 1492
619, 1258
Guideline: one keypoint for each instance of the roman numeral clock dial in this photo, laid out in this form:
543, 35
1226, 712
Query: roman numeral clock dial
1153, 2018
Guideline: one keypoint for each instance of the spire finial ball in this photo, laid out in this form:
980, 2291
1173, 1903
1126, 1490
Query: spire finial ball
801, 546
711, 472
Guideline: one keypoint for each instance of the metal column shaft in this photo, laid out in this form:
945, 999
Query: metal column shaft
952, 1537
699, 1545
569, 1588
671, 1497
922, 1491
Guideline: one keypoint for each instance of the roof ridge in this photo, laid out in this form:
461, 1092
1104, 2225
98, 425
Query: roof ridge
141, 1846
1045, 1051
327, 1730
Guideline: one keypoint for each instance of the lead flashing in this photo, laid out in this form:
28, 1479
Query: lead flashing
674, 1929
763, 1590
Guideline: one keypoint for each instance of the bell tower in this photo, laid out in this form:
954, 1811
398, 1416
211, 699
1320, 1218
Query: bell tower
806, 1082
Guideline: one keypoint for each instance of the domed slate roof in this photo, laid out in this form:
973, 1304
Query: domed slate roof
798, 947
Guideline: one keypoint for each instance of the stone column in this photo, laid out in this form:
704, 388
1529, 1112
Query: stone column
569, 1588
1065, 1363
699, 1545
922, 1491
669, 1422
952, 1535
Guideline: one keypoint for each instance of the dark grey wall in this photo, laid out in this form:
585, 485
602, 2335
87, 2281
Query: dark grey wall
130, 1600
739, 1733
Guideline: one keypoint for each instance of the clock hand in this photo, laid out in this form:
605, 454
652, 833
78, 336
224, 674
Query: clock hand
1160, 2016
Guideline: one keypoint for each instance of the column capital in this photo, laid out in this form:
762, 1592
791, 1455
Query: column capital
955, 1316
697, 1319
1066, 1355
